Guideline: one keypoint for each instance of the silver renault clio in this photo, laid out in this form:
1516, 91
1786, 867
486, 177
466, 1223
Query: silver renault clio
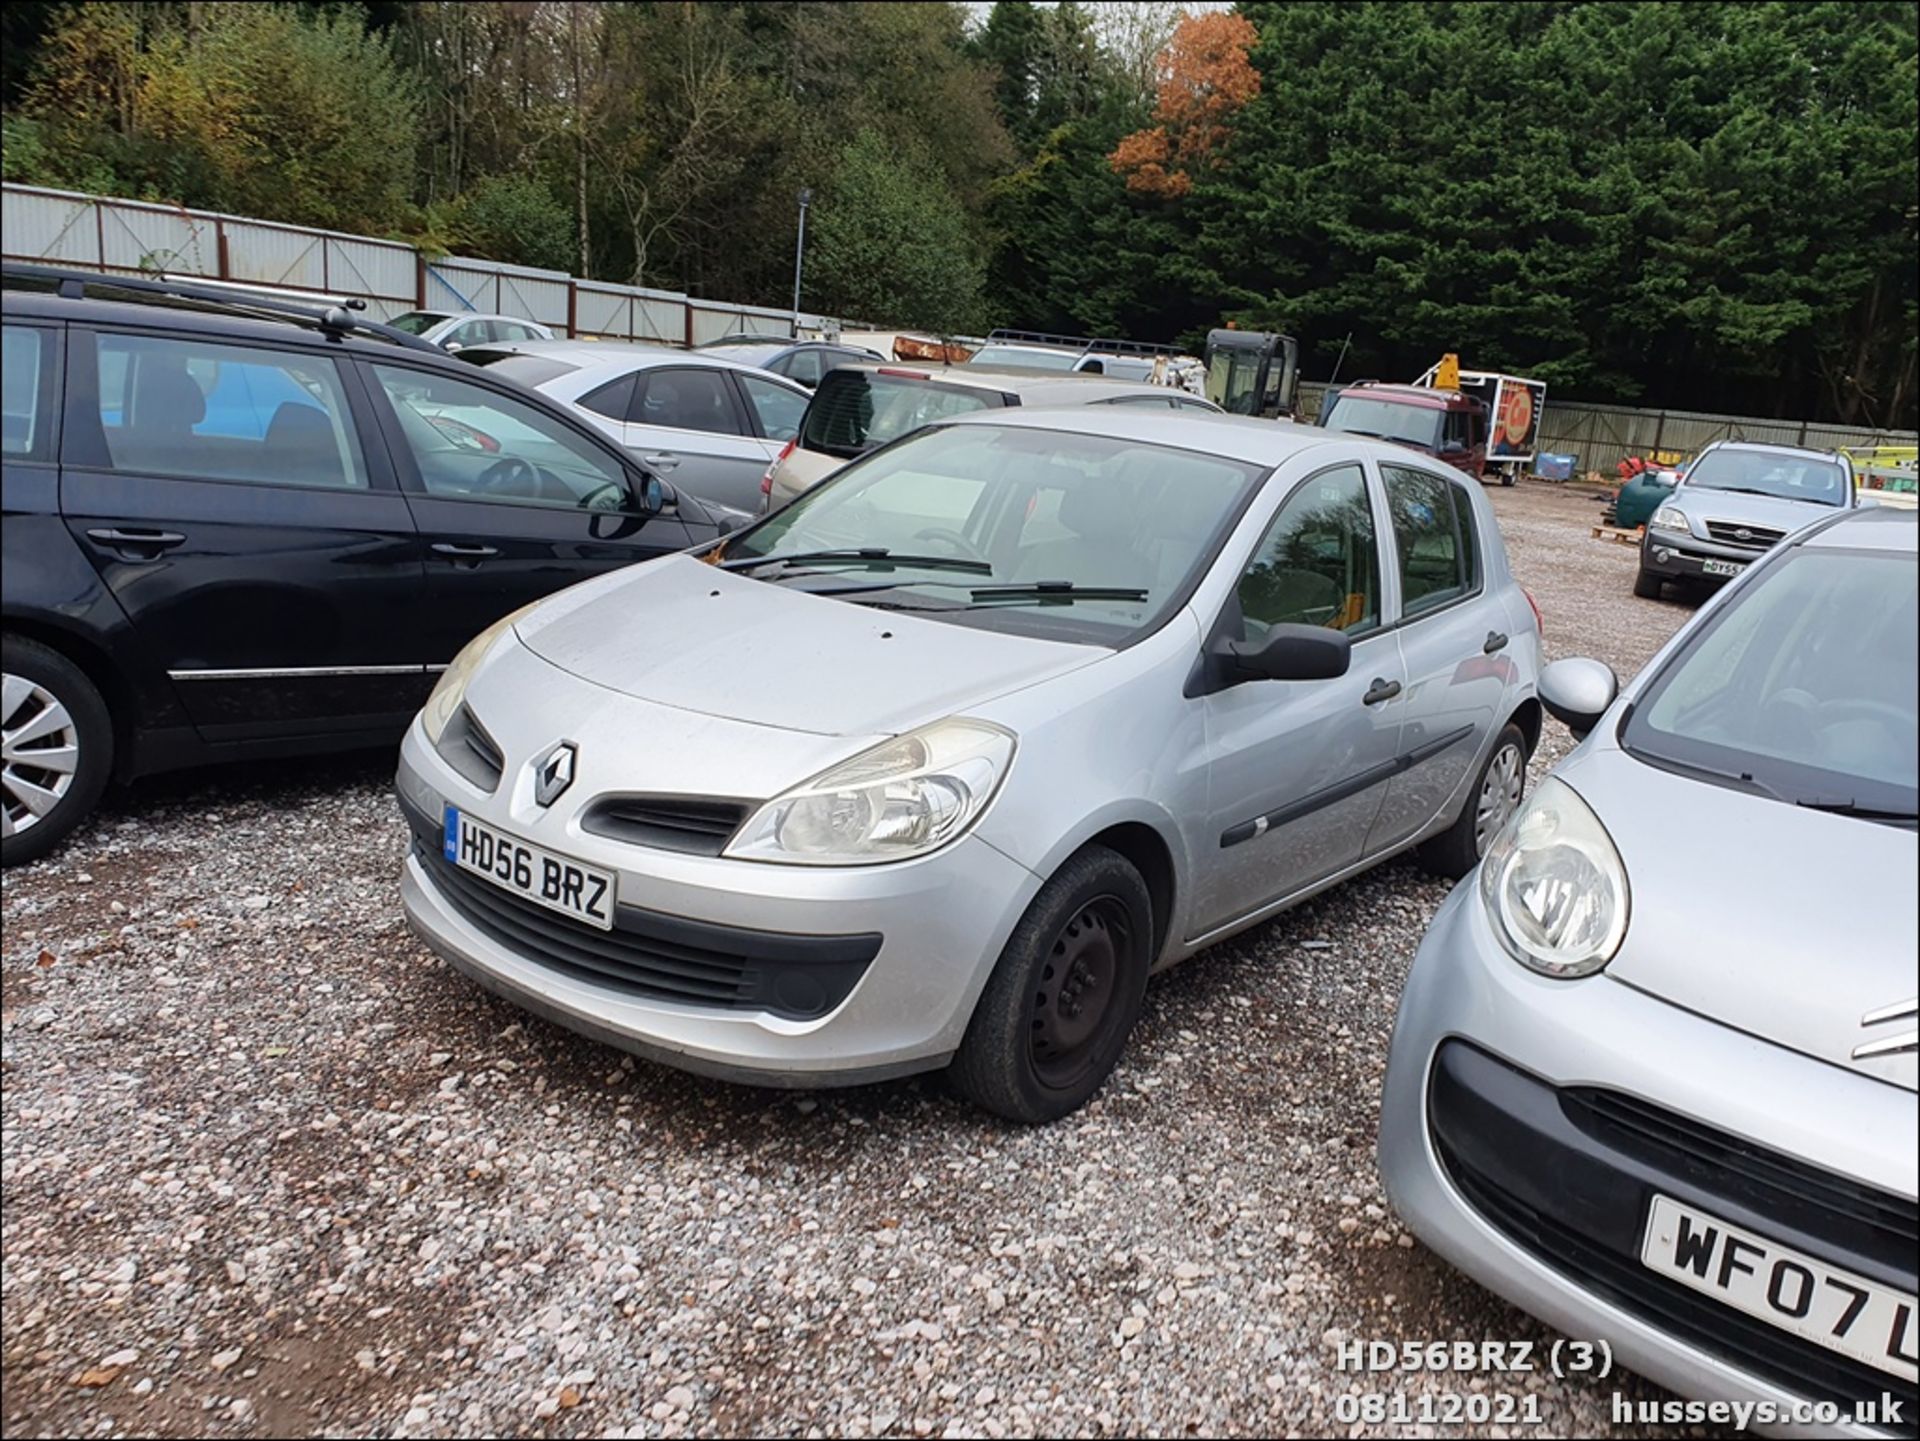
1654, 1073
933, 766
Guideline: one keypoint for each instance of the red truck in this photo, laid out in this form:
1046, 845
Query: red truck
1483, 422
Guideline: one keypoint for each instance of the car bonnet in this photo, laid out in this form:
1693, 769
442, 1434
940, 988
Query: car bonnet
682, 633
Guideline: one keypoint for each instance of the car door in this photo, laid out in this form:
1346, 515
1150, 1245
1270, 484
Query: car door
1452, 636
775, 410
1297, 769
512, 501
227, 497
687, 424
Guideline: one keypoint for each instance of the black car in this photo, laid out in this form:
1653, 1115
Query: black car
801, 361
239, 528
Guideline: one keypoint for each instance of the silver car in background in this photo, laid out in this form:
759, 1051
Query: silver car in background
934, 765
695, 418
1737, 501
1653, 1076
457, 330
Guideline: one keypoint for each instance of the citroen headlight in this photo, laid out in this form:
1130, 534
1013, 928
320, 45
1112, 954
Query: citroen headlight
1554, 887
447, 696
904, 797
1670, 517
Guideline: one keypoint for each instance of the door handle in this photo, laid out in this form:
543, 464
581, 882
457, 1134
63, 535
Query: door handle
660, 460
1495, 641
465, 556
136, 544
1380, 690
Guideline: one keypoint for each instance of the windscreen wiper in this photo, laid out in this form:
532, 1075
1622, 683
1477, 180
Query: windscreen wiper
874, 555
1853, 808
1065, 590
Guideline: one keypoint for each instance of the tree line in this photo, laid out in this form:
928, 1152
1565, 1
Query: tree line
1703, 205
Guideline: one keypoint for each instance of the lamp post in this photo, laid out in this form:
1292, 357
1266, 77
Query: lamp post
799, 253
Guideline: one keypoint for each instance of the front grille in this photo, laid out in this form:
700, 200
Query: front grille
1816, 1203
1747, 537
692, 825
466, 746
648, 953
1569, 1175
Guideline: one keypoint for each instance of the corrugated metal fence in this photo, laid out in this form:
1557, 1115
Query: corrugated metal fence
92, 232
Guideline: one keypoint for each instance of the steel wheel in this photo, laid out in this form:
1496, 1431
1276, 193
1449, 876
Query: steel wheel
1073, 1009
1499, 795
39, 752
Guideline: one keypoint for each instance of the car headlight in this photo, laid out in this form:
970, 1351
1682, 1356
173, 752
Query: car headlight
904, 797
1670, 517
447, 696
1554, 886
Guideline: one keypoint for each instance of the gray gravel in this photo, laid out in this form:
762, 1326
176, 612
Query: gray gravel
271, 1169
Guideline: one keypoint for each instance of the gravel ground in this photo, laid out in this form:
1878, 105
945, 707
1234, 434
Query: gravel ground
271, 1169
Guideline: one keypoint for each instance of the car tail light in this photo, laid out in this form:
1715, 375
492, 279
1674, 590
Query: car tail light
1539, 622
766, 481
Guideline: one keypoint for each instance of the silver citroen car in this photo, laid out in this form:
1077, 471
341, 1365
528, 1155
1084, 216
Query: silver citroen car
1653, 1076
933, 766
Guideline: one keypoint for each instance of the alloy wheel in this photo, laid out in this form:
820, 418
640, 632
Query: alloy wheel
1073, 1004
39, 752
1499, 795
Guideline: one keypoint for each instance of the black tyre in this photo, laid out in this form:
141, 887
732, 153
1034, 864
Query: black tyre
1507, 477
58, 748
1646, 585
1495, 796
1060, 1004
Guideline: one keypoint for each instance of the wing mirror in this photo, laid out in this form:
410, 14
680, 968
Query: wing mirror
454, 347
654, 495
1577, 691
1291, 652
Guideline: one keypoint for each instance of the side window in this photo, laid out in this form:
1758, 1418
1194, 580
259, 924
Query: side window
472, 443
1433, 535
513, 330
802, 366
23, 387
612, 400
474, 332
686, 399
1455, 431
776, 408
1318, 563
226, 412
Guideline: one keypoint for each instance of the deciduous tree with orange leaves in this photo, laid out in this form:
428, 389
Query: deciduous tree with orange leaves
1205, 76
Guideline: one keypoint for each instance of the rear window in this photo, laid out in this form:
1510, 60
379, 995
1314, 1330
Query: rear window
855, 410
1023, 358
532, 371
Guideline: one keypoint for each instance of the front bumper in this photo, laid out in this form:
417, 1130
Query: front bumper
900, 952
1681, 555
1526, 1123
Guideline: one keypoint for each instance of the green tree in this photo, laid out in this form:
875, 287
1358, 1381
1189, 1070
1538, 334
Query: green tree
518, 219
890, 241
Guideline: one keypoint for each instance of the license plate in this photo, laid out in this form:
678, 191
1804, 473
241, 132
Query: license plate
528, 871
1871, 1322
1722, 567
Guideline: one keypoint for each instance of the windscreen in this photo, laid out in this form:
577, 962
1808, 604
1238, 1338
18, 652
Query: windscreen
1415, 425
1803, 687
1039, 532
1023, 358
418, 322
1776, 473
855, 410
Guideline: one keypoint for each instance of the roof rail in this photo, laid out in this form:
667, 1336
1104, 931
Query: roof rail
1082, 343
325, 314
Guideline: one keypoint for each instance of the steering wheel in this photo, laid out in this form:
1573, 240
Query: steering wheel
952, 538
510, 474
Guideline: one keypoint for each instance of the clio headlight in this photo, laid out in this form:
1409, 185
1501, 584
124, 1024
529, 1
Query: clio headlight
451, 691
1554, 886
904, 797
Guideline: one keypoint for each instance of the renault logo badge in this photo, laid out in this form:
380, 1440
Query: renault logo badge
553, 773
1895, 1044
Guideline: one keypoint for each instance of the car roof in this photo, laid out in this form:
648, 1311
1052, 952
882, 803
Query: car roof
1873, 527
584, 353
1774, 447
1232, 437
1034, 387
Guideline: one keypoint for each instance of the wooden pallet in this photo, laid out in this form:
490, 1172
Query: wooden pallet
1617, 535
